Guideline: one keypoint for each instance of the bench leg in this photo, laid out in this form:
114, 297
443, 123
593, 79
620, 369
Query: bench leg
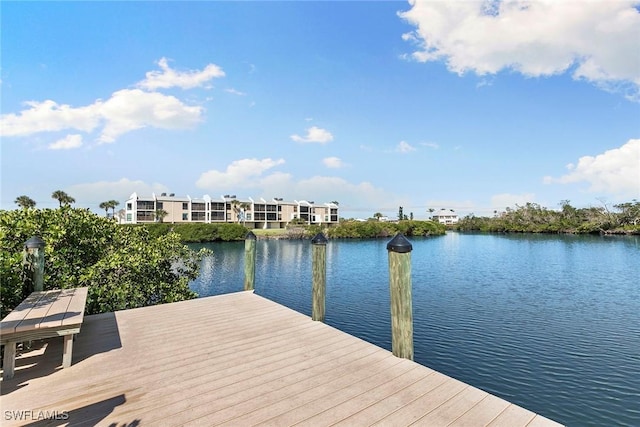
67, 350
9, 360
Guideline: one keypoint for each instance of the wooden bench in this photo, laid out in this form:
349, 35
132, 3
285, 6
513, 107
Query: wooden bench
44, 314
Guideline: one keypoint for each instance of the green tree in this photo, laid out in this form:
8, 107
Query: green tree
106, 206
113, 204
124, 267
400, 214
25, 202
377, 215
160, 214
62, 198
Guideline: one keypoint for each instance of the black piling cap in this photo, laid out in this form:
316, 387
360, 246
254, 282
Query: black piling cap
34, 243
319, 239
399, 244
250, 236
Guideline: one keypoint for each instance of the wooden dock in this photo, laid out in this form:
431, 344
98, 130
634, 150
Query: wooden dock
237, 360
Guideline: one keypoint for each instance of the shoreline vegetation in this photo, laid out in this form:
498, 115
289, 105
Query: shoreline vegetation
346, 229
622, 219
128, 266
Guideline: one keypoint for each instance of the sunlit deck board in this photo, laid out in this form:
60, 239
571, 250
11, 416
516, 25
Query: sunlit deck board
239, 359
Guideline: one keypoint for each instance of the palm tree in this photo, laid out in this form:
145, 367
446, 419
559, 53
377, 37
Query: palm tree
238, 208
62, 197
160, 214
25, 202
112, 205
105, 206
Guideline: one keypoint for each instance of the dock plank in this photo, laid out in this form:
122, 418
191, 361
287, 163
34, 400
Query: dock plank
239, 359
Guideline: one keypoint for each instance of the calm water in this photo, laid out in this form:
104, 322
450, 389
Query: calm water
551, 323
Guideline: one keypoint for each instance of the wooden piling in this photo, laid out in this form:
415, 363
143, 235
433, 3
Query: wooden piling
249, 261
399, 249
319, 273
33, 260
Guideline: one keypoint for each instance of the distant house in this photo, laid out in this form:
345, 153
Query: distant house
446, 216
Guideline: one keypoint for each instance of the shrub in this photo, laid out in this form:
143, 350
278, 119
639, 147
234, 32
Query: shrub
124, 267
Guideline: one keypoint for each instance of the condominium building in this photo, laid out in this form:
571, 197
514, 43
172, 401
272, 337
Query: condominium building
261, 213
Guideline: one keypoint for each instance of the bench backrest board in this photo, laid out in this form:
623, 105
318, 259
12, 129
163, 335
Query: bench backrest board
49, 309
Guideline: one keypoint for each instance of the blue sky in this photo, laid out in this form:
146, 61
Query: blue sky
472, 106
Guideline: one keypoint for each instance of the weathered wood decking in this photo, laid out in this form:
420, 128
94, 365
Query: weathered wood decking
237, 360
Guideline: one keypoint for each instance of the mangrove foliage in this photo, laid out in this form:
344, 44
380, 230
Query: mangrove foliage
623, 218
124, 267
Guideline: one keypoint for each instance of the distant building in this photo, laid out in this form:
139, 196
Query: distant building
274, 213
446, 216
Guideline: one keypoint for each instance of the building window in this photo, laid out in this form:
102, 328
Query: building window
144, 216
158, 205
145, 205
185, 206
129, 207
197, 216
129, 217
185, 216
197, 207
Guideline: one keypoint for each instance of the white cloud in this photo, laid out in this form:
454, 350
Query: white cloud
168, 77
615, 171
333, 162
500, 202
245, 173
131, 109
405, 147
126, 110
235, 92
353, 197
256, 179
430, 145
49, 116
67, 143
596, 40
314, 134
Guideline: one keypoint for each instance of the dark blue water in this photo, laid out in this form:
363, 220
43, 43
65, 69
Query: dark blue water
551, 323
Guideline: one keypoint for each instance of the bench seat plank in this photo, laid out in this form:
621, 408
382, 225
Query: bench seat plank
13, 319
39, 311
75, 312
58, 311
43, 315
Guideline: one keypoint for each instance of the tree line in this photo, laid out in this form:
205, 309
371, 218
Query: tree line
26, 202
622, 218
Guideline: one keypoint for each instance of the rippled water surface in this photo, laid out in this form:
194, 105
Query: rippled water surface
551, 323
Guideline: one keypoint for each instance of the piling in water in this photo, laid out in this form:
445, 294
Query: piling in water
249, 261
319, 272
